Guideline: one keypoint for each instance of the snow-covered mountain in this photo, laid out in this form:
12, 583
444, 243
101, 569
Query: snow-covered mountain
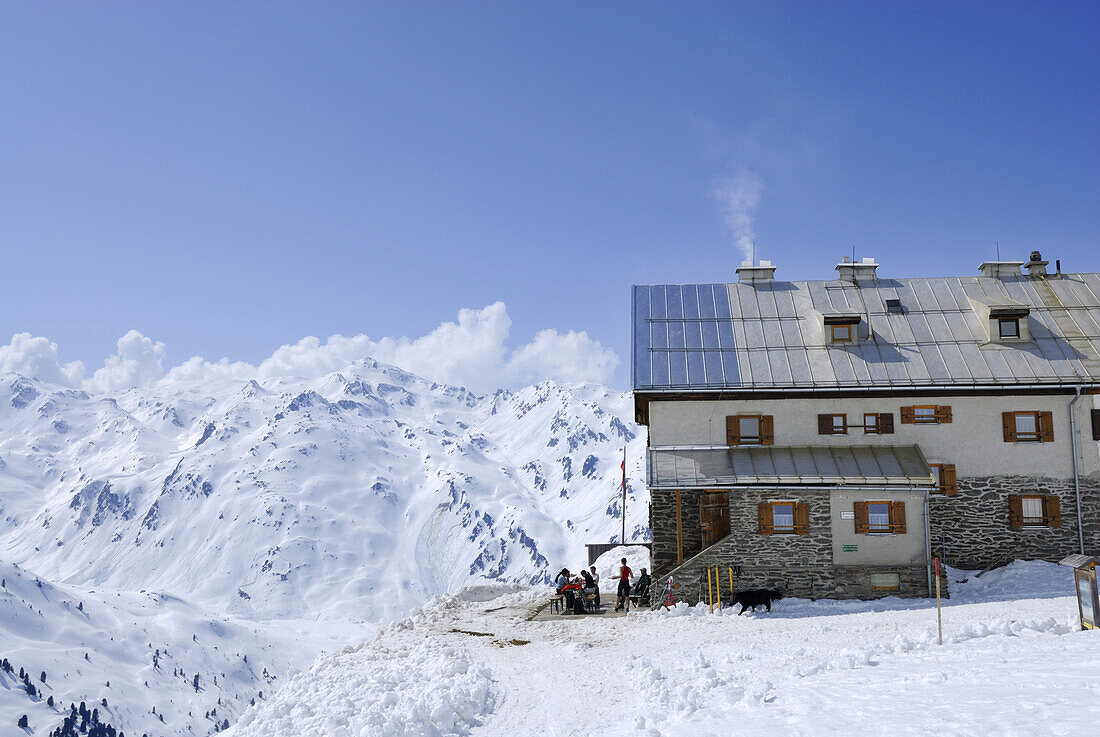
255, 506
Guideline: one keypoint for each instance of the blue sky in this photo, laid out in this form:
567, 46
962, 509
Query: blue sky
227, 178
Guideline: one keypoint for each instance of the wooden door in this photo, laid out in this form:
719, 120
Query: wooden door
714, 516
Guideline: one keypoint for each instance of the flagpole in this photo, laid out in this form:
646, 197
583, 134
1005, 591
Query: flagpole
623, 538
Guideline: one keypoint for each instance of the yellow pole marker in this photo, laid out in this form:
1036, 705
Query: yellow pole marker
731, 587
717, 587
710, 600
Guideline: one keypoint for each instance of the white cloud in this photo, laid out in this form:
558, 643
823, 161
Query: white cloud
139, 361
37, 356
570, 357
739, 197
471, 352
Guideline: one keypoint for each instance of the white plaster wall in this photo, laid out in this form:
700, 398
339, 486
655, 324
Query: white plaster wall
878, 548
973, 441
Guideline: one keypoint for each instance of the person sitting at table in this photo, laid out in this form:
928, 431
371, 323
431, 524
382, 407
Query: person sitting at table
571, 591
562, 580
641, 588
589, 585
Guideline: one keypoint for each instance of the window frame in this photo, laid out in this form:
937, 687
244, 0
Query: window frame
879, 530
1002, 321
946, 481
830, 427
919, 420
847, 327
742, 438
786, 529
875, 427
1042, 519
1034, 436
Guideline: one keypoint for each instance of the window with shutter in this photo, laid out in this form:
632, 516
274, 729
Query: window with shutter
766, 524
948, 480
943, 414
897, 518
908, 417
832, 424
802, 518
767, 430
1015, 511
733, 431
1053, 511
1034, 510
1028, 427
870, 423
886, 423
750, 430
1046, 427
861, 522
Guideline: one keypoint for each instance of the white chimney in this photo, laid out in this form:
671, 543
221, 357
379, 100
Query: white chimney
748, 273
1000, 269
863, 270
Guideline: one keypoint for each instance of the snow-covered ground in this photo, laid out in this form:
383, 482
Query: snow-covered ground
1013, 663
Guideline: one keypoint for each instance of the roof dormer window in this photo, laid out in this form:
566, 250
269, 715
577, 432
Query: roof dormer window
840, 333
1008, 328
841, 329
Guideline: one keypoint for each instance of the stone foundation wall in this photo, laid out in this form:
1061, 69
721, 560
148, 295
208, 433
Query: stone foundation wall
971, 529
798, 565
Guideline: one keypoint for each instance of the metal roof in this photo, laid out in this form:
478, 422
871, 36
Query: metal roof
854, 465
769, 334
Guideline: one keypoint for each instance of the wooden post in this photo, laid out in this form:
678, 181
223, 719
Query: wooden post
939, 614
710, 601
679, 532
732, 595
717, 587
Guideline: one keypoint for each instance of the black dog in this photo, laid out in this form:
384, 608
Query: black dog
755, 598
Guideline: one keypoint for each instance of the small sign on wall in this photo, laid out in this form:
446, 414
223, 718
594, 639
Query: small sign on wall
850, 514
851, 548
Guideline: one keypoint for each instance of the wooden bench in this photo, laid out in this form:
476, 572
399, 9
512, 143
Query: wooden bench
555, 603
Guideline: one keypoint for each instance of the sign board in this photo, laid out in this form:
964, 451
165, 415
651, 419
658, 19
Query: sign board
850, 548
848, 515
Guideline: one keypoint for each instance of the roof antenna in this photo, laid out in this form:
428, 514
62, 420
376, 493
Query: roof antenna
753, 252
998, 250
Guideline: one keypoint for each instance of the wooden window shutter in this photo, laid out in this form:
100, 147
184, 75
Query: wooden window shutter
1046, 427
886, 423
948, 479
802, 518
767, 522
1052, 511
1008, 420
1015, 510
863, 524
767, 430
943, 414
1096, 424
733, 431
897, 517
824, 424
907, 416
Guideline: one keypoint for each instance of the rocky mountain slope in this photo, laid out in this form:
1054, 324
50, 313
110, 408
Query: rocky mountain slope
345, 500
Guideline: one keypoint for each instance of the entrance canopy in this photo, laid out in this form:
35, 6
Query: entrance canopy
765, 465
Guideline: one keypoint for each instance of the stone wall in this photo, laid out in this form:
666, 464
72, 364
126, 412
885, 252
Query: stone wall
971, 529
798, 565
